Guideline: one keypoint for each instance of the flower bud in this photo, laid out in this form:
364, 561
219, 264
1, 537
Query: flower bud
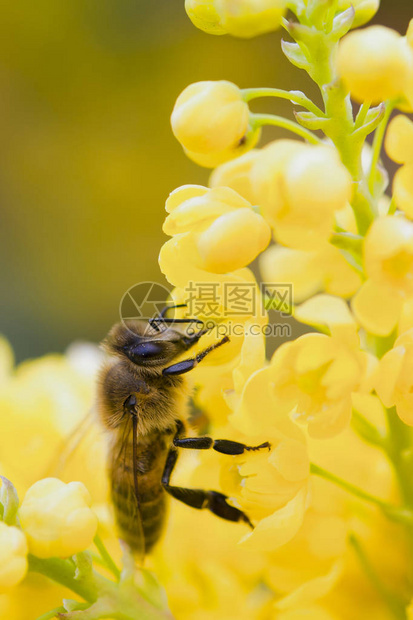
316, 179
233, 240
210, 117
57, 518
240, 18
204, 15
216, 158
299, 188
375, 64
267, 174
228, 234
13, 556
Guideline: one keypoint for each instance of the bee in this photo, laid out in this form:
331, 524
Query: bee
142, 397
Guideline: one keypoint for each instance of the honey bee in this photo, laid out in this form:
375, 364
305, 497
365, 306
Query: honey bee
142, 399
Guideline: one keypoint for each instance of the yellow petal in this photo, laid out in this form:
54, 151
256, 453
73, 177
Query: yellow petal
291, 459
403, 189
313, 589
406, 317
252, 357
332, 421
316, 180
399, 140
376, 308
325, 311
282, 265
223, 245
185, 192
236, 174
279, 528
387, 375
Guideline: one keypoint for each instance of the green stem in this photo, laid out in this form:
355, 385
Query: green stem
392, 207
63, 572
395, 606
400, 453
362, 113
49, 615
106, 598
109, 563
401, 457
259, 120
367, 431
295, 96
394, 512
378, 142
347, 241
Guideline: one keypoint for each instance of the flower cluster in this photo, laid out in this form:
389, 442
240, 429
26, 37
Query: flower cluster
329, 414
346, 248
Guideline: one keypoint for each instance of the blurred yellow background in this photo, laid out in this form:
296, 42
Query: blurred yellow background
87, 157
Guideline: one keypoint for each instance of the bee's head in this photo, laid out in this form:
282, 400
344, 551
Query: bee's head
146, 345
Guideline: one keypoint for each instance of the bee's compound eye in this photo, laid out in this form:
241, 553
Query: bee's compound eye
144, 351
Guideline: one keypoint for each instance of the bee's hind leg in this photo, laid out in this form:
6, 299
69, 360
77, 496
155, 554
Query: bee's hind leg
200, 499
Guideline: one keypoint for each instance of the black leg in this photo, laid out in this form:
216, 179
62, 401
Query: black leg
198, 498
224, 446
186, 365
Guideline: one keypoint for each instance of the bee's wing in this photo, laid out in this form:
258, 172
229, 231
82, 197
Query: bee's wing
125, 479
71, 443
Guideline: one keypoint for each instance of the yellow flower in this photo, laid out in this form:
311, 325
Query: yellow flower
271, 486
13, 556
211, 121
375, 64
299, 188
394, 383
310, 271
305, 374
45, 403
399, 140
313, 377
364, 10
220, 221
240, 18
388, 261
57, 519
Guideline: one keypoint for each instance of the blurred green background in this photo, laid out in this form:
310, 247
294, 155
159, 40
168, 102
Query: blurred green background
87, 157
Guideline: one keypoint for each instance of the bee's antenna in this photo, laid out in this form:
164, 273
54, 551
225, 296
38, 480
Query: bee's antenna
160, 319
165, 310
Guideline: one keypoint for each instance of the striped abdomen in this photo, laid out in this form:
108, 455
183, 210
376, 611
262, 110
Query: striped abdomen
140, 516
